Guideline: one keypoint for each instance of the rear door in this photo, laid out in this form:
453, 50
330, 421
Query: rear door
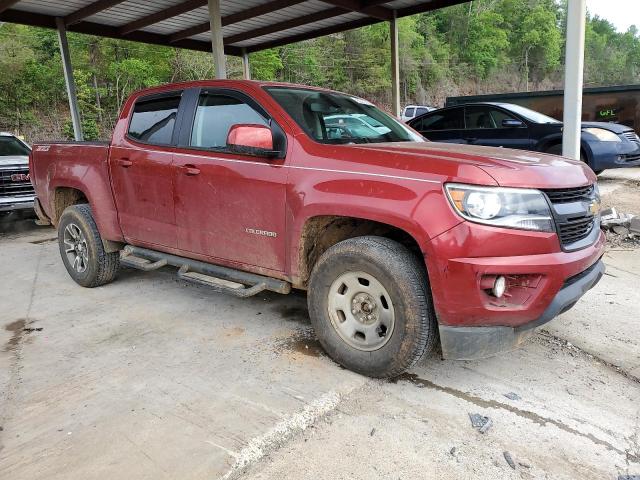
485, 125
141, 171
229, 207
442, 125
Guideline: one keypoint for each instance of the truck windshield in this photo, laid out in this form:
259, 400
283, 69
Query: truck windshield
11, 146
335, 118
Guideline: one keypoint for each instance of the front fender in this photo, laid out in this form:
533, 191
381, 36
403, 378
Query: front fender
421, 211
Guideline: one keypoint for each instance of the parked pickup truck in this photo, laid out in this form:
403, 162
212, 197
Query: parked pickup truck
16, 191
398, 241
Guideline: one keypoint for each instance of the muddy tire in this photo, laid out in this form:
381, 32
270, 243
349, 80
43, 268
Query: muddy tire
82, 250
370, 305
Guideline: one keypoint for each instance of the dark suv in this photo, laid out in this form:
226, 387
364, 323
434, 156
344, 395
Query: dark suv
603, 145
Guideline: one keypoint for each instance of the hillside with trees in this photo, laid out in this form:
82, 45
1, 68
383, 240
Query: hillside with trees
484, 46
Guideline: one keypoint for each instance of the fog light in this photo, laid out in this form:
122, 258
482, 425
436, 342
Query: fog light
499, 286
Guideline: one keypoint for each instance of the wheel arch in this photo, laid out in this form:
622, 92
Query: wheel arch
64, 196
320, 232
64, 192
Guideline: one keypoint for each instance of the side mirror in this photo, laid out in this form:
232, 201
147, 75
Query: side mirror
251, 139
512, 123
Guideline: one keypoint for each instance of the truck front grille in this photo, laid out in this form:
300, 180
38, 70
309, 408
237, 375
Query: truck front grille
572, 214
10, 183
575, 229
566, 195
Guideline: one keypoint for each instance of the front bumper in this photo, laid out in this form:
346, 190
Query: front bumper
542, 282
22, 202
469, 343
614, 155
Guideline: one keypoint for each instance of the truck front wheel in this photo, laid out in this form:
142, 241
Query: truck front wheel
82, 250
370, 305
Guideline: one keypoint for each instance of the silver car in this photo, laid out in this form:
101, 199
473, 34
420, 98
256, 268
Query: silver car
16, 191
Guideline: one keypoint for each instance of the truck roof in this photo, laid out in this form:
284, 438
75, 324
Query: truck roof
228, 82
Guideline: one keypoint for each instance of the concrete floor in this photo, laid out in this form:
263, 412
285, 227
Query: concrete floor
153, 378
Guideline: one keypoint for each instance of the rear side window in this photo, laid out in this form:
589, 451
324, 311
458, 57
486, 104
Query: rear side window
421, 111
446, 120
153, 120
410, 112
215, 115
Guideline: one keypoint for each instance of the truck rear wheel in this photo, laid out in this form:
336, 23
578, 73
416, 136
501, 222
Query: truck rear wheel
82, 250
370, 305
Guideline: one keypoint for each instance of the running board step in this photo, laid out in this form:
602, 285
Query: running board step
219, 284
140, 263
221, 279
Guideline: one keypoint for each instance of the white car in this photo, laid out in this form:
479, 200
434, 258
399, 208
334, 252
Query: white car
412, 111
16, 191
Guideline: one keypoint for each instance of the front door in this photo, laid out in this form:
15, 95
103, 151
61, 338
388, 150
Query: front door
488, 126
142, 174
229, 206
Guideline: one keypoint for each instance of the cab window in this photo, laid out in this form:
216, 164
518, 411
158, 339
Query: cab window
153, 120
216, 114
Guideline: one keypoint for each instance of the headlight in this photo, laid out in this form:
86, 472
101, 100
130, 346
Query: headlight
520, 208
603, 135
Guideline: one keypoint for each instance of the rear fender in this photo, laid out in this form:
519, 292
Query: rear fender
98, 193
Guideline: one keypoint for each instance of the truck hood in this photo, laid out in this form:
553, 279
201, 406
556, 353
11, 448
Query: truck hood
508, 167
9, 160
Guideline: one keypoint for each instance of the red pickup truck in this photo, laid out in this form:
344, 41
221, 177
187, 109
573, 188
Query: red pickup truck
250, 186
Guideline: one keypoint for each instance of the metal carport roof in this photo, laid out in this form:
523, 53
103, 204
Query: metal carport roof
251, 25
238, 28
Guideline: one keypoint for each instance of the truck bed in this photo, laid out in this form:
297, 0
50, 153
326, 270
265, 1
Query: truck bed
61, 168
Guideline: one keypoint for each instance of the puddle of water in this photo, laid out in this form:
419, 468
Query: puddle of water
17, 330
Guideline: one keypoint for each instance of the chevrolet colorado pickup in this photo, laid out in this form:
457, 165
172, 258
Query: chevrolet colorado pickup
400, 242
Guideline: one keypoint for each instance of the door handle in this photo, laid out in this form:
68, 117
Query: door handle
190, 170
124, 162
470, 139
